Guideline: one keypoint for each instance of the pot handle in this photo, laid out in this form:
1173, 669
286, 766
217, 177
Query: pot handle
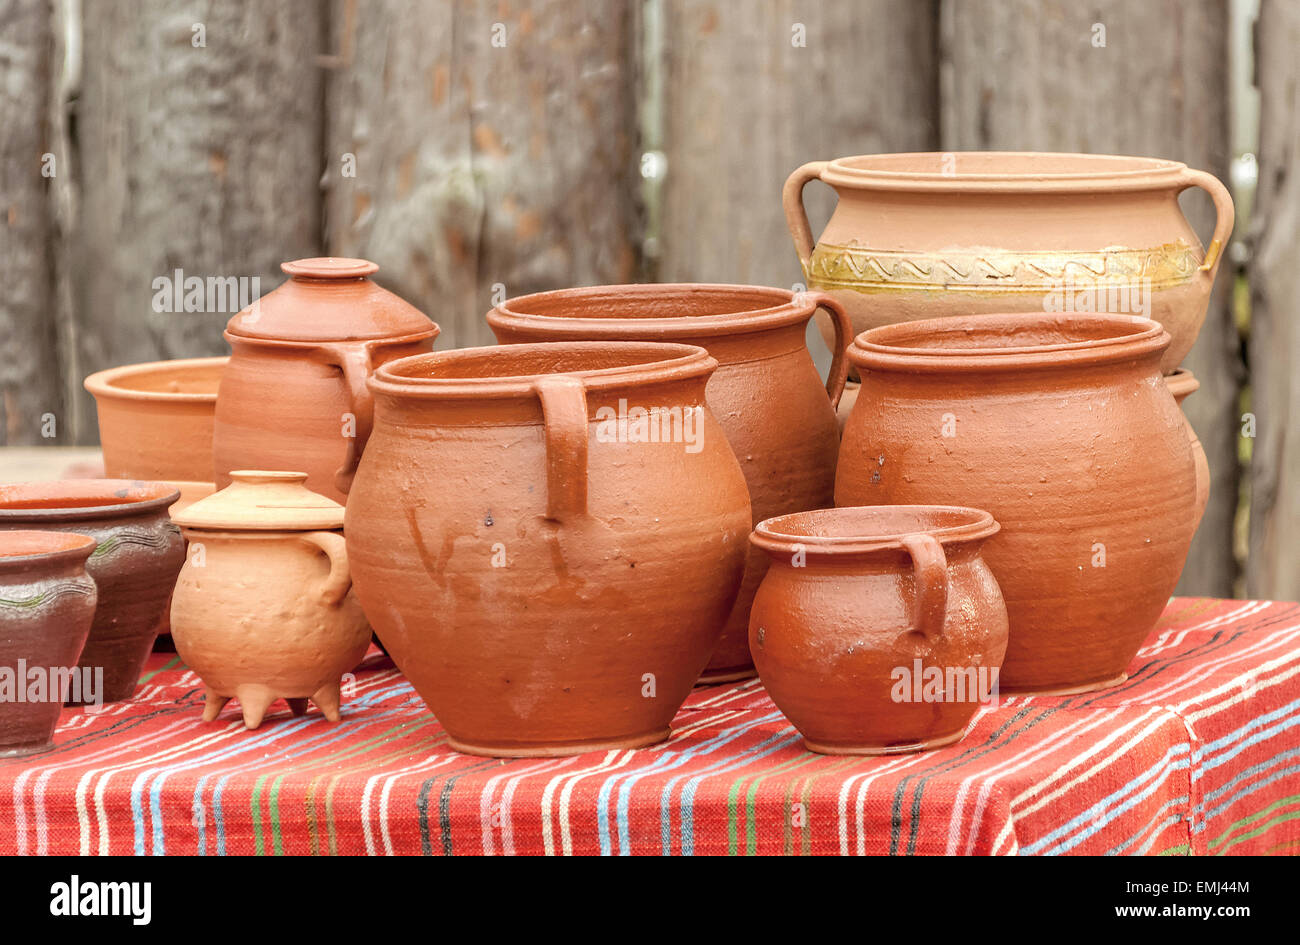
338, 582
930, 576
839, 372
1224, 216
564, 413
357, 364
796, 218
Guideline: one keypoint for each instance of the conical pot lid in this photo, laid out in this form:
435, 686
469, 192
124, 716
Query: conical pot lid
263, 500
329, 299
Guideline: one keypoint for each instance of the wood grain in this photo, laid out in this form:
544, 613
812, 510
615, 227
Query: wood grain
1273, 568
30, 375
494, 149
199, 158
744, 105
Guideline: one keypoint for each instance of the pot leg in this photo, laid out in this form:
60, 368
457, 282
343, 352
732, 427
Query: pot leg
297, 706
254, 700
327, 700
212, 706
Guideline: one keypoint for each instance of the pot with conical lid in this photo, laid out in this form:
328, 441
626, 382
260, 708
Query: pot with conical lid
294, 394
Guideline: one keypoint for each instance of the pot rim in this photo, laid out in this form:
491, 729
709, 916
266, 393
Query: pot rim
770, 536
1133, 337
101, 383
786, 308
675, 362
1125, 173
142, 498
66, 548
257, 341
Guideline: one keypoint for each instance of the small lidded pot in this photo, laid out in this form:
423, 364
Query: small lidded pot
263, 608
294, 395
878, 630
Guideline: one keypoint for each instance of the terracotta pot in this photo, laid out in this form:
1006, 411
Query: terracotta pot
263, 608
549, 581
155, 419
1181, 384
878, 630
46, 604
294, 394
934, 234
1062, 427
134, 566
766, 393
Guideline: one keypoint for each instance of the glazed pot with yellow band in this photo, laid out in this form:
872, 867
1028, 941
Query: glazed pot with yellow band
932, 234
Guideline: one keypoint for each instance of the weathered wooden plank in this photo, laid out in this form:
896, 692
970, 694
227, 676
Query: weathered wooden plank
492, 150
1031, 75
754, 90
1273, 568
199, 130
30, 385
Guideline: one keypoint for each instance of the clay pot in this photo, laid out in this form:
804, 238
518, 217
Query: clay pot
878, 630
134, 565
263, 608
155, 419
1181, 384
1063, 428
552, 581
294, 394
926, 235
766, 393
46, 604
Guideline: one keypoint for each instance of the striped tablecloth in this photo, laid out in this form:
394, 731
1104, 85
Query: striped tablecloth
1198, 753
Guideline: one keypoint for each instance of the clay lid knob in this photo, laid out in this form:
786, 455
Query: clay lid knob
329, 267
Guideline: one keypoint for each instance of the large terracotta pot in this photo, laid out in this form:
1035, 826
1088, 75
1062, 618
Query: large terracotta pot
263, 608
925, 235
878, 630
155, 419
766, 393
134, 566
1063, 428
46, 604
550, 580
294, 393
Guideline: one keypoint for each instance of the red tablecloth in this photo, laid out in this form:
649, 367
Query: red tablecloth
1198, 753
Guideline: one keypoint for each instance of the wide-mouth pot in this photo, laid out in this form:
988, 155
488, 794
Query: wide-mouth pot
24, 550
83, 499
862, 529
671, 311
1003, 171
182, 381
512, 371
1007, 342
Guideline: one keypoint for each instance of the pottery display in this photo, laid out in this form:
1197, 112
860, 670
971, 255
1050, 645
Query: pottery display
263, 608
134, 565
1062, 427
46, 604
878, 630
294, 394
766, 393
155, 419
549, 538
1181, 384
924, 235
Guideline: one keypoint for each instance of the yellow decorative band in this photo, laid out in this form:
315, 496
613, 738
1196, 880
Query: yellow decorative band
859, 267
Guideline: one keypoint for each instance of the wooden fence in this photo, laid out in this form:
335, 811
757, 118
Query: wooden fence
476, 149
